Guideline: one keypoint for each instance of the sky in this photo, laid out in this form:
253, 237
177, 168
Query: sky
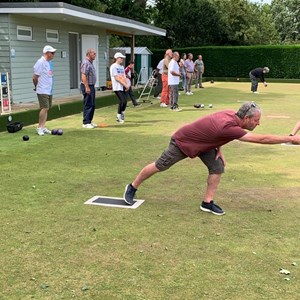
258, 1
264, 1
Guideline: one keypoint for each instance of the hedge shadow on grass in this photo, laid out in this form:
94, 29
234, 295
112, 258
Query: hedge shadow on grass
31, 117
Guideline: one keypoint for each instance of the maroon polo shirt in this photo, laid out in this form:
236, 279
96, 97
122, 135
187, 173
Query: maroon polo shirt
208, 133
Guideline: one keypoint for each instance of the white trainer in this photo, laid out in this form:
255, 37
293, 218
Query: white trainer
163, 105
120, 120
89, 126
177, 109
46, 131
94, 125
40, 131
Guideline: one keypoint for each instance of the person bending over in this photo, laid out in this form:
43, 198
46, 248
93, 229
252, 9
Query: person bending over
204, 139
254, 75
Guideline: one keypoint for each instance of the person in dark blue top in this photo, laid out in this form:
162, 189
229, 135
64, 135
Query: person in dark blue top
255, 74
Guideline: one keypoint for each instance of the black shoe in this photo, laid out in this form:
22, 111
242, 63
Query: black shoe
212, 208
201, 87
129, 194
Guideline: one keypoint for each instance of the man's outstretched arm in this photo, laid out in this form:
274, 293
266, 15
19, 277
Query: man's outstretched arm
269, 139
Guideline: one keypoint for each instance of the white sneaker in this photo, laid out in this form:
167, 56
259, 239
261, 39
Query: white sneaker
46, 131
256, 92
90, 126
188, 93
163, 105
94, 125
120, 121
191, 93
158, 97
177, 109
40, 131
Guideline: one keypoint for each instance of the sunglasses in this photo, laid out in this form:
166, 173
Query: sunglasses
252, 105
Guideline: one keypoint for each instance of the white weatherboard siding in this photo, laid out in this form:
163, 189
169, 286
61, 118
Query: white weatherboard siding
4, 44
27, 52
17, 57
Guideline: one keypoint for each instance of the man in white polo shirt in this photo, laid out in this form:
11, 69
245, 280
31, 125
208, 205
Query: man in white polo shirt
173, 81
43, 85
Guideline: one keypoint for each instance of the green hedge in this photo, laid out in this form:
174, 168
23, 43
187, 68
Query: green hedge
228, 61
31, 116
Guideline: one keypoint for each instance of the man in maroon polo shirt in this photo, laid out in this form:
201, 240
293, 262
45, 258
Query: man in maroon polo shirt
204, 138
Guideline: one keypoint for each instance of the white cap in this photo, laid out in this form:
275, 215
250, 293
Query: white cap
118, 55
48, 49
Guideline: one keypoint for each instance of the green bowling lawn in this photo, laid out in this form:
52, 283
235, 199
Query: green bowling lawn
53, 246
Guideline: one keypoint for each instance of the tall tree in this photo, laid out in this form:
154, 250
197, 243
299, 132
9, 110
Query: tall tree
214, 22
137, 10
89, 4
286, 15
188, 23
246, 23
204, 22
132, 9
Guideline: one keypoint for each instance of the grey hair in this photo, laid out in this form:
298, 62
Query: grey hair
176, 53
248, 109
266, 69
88, 51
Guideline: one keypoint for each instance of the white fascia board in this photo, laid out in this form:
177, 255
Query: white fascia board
73, 13
110, 21
30, 10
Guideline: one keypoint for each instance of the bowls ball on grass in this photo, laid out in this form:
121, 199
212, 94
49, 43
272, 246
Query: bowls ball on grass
60, 132
199, 105
25, 138
54, 131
